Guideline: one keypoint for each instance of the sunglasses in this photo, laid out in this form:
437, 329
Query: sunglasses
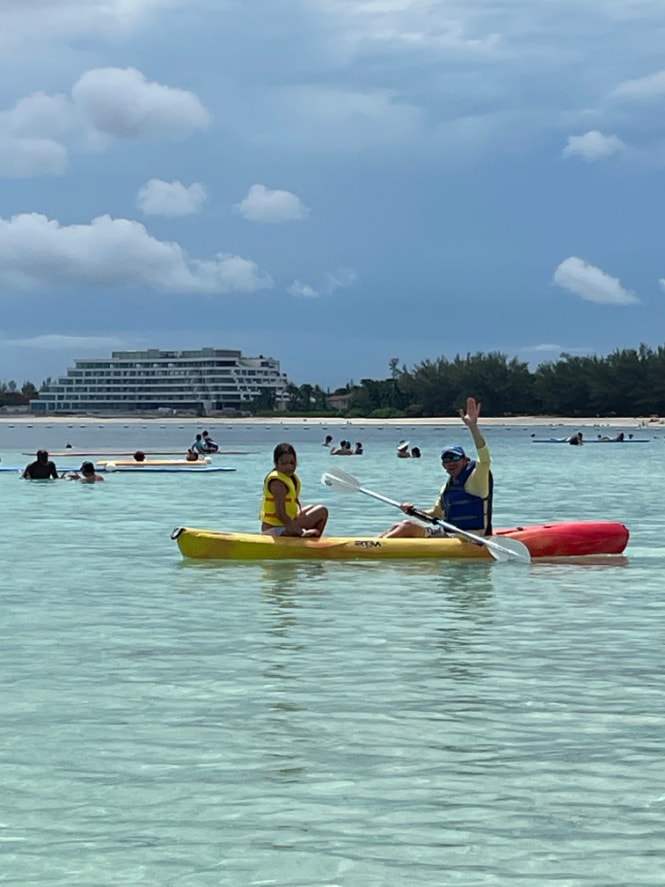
451, 457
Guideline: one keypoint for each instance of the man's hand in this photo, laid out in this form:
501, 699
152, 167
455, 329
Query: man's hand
471, 415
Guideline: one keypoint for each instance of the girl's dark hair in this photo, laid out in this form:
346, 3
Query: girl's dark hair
282, 449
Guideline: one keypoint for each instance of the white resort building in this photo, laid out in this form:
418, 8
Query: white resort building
209, 381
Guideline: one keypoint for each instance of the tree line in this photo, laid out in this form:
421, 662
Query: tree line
627, 382
12, 395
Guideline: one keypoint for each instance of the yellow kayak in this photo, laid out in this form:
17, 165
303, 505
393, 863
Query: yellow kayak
546, 540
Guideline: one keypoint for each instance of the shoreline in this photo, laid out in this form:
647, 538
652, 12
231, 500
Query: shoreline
488, 422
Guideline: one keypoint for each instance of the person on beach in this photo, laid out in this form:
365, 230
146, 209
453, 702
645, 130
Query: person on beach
88, 474
415, 453
359, 449
209, 445
576, 440
465, 500
328, 440
42, 468
281, 512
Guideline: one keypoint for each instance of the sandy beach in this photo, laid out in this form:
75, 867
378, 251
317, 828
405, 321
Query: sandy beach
489, 421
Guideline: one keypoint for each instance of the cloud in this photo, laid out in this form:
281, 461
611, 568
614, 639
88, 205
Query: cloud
29, 134
158, 198
68, 19
411, 24
592, 283
36, 252
303, 290
643, 89
123, 104
264, 205
108, 102
339, 279
55, 342
24, 158
593, 145
40, 115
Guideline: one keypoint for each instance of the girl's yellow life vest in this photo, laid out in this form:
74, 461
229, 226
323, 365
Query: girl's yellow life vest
292, 504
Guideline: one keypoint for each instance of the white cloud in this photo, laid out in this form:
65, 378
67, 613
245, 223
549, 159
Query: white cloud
303, 290
593, 145
419, 23
122, 103
70, 18
341, 278
25, 158
40, 116
36, 252
158, 198
55, 342
592, 283
262, 204
643, 89
661, 283
29, 134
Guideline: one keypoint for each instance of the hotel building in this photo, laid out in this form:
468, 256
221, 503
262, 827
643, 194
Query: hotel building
205, 382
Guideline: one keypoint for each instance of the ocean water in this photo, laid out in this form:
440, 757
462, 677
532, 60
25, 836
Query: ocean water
472, 723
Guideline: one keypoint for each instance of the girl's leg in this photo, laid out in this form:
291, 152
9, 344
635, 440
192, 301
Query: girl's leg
313, 519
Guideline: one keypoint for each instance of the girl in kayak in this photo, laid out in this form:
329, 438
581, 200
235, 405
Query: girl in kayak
281, 511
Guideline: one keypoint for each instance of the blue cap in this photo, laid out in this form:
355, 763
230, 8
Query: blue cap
455, 449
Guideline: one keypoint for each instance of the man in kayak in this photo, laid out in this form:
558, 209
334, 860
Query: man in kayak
465, 500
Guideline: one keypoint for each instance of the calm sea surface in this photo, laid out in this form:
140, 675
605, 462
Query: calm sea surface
316, 724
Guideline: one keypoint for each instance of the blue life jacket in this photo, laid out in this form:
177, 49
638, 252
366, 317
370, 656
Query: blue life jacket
464, 510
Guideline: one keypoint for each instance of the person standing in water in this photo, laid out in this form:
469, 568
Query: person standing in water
281, 512
41, 469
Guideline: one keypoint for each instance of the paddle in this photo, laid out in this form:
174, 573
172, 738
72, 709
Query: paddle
506, 549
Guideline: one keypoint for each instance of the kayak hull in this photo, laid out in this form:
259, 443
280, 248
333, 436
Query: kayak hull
573, 539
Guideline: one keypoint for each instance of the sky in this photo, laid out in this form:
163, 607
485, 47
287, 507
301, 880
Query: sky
333, 183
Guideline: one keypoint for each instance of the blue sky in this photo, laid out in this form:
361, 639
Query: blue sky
333, 183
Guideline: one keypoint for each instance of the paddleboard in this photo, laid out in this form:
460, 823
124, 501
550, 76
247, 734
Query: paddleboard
79, 454
561, 440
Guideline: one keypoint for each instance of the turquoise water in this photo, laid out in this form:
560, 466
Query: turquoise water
168, 723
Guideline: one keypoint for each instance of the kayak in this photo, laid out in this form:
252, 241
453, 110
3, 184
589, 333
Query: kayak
571, 539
